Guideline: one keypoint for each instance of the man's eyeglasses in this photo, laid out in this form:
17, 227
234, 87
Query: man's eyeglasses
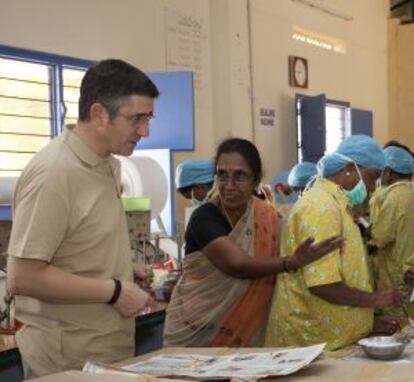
238, 178
138, 118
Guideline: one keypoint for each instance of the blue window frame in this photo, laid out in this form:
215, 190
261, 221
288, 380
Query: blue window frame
57, 64
31, 105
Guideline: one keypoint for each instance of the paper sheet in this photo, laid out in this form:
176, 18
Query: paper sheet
246, 366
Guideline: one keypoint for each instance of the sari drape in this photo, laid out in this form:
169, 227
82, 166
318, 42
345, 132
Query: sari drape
210, 308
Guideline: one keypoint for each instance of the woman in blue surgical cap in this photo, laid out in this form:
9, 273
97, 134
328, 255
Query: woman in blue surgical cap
392, 228
300, 175
194, 179
332, 300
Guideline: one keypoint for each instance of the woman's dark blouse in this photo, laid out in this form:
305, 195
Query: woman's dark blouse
206, 224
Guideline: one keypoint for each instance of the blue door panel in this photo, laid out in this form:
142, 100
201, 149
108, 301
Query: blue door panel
313, 127
361, 122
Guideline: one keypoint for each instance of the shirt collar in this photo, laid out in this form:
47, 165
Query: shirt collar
81, 149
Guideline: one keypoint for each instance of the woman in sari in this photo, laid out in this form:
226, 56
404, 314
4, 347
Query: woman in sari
232, 246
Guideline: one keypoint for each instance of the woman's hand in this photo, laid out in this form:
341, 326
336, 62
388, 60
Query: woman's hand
308, 251
385, 325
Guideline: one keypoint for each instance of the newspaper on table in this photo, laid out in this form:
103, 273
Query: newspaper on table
249, 366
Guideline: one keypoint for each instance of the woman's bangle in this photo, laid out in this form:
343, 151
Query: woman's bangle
117, 292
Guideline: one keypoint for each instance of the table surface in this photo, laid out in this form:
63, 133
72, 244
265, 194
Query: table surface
323, 370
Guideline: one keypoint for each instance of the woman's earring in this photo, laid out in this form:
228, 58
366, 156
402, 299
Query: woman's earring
347, 173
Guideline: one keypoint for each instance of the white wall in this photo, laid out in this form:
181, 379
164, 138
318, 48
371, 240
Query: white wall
359, 76
92, 29
401, 81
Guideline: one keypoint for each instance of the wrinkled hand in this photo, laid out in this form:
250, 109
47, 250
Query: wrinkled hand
409, 277
132, 300
390, 298
386, 325
308, 251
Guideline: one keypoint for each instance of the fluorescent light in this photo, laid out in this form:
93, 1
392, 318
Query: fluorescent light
319, 40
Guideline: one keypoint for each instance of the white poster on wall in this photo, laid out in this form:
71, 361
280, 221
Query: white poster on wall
187, 48
267, 117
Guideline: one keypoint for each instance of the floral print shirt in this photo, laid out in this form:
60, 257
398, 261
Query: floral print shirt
300, 318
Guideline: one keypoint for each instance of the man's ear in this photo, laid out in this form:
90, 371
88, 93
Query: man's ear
98, 114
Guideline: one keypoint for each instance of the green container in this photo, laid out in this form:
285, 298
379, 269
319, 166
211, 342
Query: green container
141, 203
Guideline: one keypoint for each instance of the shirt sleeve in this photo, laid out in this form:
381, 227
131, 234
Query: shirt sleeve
320, 222
40, 220
206, 224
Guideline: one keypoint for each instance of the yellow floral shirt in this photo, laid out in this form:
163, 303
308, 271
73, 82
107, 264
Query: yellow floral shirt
300, 318
392, 231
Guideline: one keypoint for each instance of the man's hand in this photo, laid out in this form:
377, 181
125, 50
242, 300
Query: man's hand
132, 300
143, 276
142, 272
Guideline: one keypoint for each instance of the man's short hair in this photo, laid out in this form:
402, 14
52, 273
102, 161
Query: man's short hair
109, 82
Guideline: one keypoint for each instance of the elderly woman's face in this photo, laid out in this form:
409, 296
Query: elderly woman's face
235, 181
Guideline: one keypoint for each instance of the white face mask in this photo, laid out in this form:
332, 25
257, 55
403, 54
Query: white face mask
359, 193
378, 183
195, 202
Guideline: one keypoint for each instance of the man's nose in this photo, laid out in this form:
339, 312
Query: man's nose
143, 129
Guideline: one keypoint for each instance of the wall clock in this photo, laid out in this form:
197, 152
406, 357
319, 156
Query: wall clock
298, 72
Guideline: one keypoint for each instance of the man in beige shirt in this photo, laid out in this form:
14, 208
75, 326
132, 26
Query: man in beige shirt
69, 264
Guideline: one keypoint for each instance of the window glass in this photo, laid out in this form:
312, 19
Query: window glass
71, 84
25, 112
335, 126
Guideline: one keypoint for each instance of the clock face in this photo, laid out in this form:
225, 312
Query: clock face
300, 72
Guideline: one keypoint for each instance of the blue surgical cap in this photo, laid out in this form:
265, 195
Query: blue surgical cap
194, 171
361, 149
398, 160
301, 174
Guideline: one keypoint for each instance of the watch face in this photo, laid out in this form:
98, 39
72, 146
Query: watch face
300, 72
